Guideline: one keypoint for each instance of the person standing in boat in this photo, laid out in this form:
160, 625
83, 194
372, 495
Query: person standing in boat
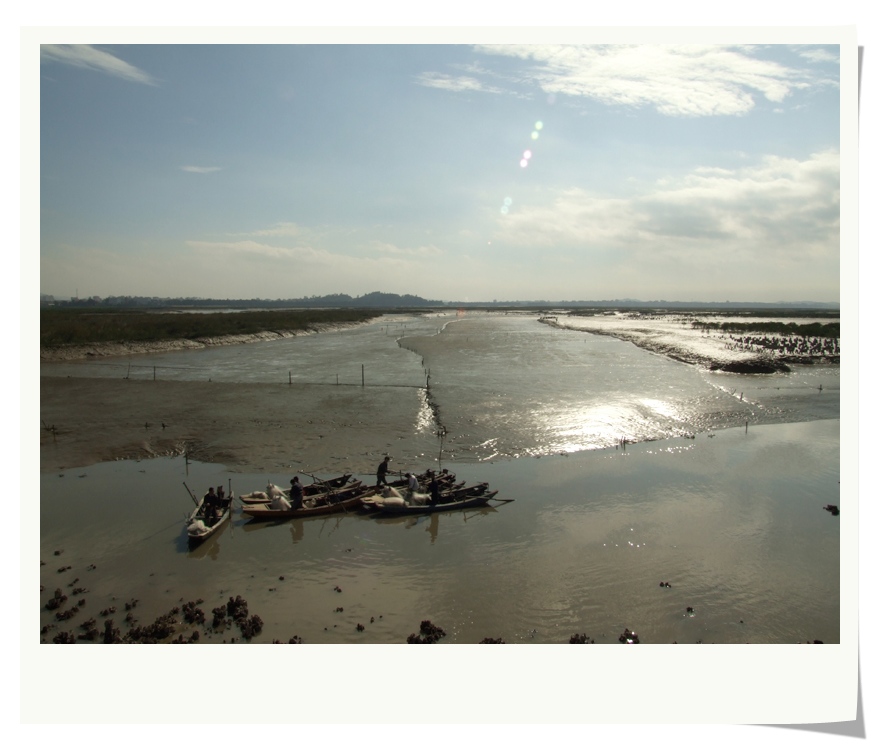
382, 471
434, 488
210, 503
296, 494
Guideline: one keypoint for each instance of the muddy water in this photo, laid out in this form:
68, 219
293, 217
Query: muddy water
732, 517
735, 524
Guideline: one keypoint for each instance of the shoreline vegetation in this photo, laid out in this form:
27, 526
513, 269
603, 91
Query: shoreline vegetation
68, 334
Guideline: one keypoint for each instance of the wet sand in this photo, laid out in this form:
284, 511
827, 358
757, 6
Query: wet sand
247, 427
673, 335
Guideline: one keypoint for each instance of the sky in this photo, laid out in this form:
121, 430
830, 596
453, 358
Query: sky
455, 172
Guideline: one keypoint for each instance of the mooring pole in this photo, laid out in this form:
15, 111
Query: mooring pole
362, 376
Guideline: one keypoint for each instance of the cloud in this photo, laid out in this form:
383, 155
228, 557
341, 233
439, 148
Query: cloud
386, 248
779, 207
86, 56
455, 83
281, 229
201, 170
249, 248
682, 81
819, 55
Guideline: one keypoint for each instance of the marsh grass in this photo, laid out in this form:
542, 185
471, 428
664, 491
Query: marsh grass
70, 327
820, 330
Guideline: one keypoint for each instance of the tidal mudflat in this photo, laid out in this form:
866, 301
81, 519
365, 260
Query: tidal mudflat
717, 487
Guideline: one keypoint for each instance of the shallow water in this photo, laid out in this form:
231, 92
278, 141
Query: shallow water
735, 523
509, 386
506, 385
732, 518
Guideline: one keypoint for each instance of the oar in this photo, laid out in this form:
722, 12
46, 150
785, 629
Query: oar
229, 506
191, 494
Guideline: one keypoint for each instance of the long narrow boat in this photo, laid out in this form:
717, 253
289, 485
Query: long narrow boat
318, 487
461, 503
199, 528
444, 477
337, 501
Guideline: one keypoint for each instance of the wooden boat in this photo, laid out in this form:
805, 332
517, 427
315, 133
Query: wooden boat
398, 506
443, 477
199, 528
336, 501
317, 487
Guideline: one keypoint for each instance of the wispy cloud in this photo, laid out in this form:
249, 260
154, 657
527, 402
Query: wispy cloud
200, 170
281, 229
86, 56
455, 83
690, 80
249, 248
386, 248
819, 55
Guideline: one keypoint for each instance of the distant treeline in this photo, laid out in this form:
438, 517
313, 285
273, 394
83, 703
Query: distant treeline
390, 301
371, 300
820, 330
66, 326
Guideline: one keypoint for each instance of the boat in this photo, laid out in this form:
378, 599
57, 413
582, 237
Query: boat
317, 487
444, 477
336, 501
393, 503
199, 528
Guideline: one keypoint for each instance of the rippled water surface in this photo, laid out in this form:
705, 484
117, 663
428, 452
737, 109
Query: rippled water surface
721, 496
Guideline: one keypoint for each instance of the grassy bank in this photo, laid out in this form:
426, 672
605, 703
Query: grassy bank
821, 330
78, 327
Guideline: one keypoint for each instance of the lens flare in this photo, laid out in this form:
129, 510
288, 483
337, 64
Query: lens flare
524, 162
535, 135
508, 201
527, 154
539, 125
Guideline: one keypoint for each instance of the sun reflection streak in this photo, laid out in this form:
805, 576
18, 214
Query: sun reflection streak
662, 407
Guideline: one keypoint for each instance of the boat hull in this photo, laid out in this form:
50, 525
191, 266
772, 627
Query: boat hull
264, 511
462, 503
196, 536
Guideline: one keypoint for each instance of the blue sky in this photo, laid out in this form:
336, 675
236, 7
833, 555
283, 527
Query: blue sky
450, 171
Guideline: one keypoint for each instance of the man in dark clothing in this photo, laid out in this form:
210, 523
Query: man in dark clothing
296, 494
210, 506
434, 489
382, 471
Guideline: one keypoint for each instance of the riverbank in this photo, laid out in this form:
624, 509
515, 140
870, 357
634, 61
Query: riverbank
674, 335
128, 348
